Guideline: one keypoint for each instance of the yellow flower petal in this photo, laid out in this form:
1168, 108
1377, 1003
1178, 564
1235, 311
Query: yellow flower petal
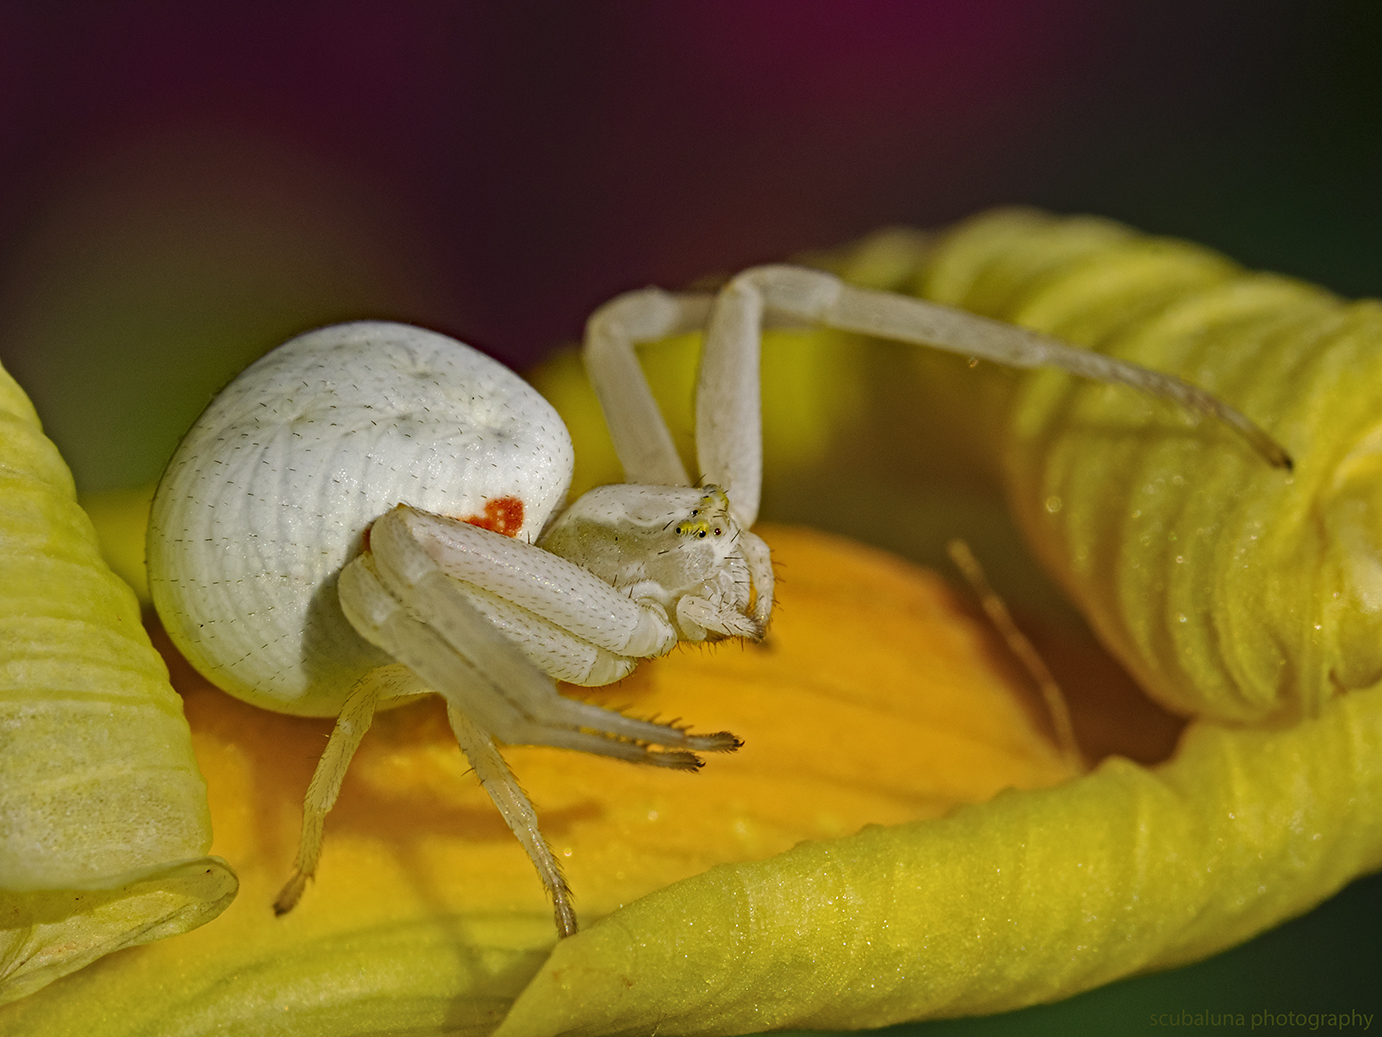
1032, 897
120, 518
1227, 587
876, 700
103, 818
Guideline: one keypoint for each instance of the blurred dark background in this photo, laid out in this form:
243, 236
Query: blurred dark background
184, 186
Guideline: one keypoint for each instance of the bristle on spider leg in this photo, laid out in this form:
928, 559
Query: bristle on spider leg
719, 742
676, 759
601, 721
716, 742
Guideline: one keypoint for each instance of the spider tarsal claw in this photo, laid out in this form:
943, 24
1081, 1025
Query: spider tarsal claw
719, 742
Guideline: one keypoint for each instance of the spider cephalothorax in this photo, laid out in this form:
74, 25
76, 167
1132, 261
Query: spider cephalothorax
678, 546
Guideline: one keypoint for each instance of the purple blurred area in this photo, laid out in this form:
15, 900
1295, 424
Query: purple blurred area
497, 170
543, 161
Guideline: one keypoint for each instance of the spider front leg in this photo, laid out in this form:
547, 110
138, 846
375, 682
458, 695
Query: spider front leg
644, 446
729, 447
728, 439
423, 591
468, 612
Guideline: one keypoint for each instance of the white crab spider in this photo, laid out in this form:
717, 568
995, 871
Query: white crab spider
370, 512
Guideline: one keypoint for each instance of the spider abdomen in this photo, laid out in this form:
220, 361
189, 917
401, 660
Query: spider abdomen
272, 490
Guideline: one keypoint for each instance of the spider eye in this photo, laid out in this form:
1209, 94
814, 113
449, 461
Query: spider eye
717, 530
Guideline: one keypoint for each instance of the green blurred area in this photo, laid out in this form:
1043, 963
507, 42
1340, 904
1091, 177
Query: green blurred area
154, 277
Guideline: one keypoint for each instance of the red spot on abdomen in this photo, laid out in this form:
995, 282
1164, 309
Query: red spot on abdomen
502, 515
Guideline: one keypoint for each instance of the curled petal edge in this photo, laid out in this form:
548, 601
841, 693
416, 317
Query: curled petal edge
1032, 897
105, 819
